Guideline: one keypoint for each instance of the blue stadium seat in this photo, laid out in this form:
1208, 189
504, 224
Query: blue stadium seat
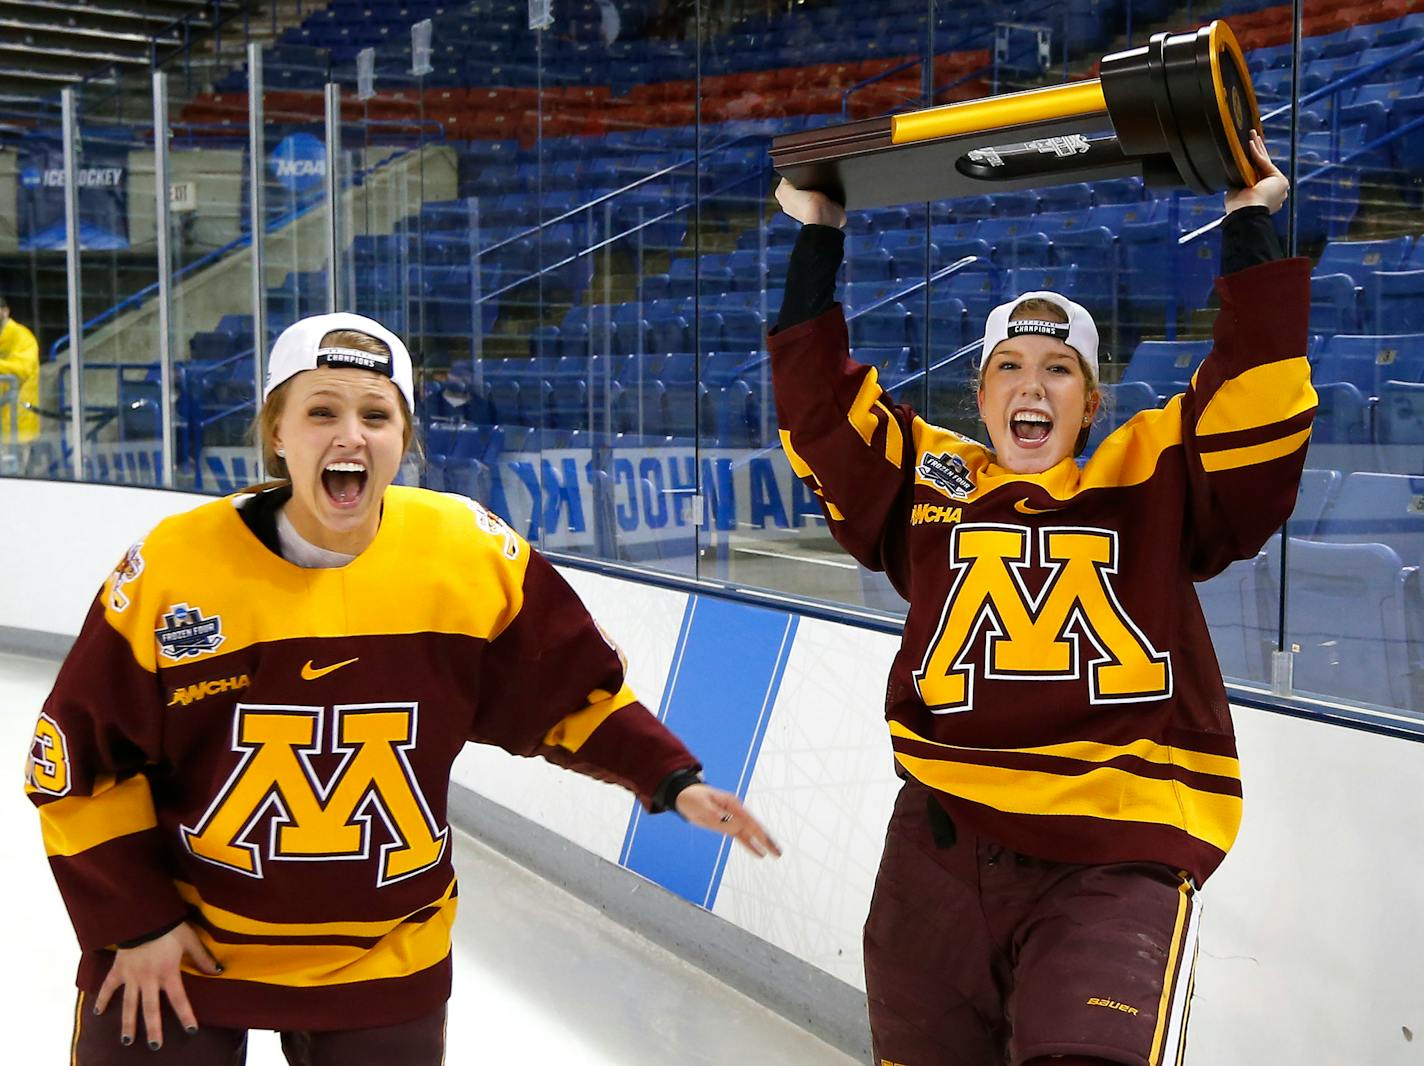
1237, 605
877, 220
742, 328
1332, 304
730, 416
978, 290
1362, 260
1158, 273
678, 369
964, 209
1191, 212
1379, 508
955, 249
870, 264
891, 364
1325, 205
1342, 415
1167, 366
667, 333
1025, 250
722, 368
505, 397
680, 402
1407, 152
887, 326
1116, 191
1016, 204
1368, 361
998, 230
949, 330
1120, 403
1033, 279
1315, 497
1346, 620
1114, 216
1399, 427
1077, 196
1399, 301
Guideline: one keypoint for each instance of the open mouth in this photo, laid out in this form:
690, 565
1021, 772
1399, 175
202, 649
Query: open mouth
1030, 428
345, 483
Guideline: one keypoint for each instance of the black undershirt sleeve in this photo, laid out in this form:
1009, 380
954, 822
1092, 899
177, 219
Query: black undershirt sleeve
811, 275
1247, 239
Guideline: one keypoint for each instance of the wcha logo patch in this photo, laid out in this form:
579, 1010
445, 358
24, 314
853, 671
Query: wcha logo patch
186, 632
948, 472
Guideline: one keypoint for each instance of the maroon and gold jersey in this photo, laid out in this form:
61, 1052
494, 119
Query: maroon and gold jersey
1056, 683
266, 750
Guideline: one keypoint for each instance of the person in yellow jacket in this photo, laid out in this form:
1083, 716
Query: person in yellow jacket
20, 358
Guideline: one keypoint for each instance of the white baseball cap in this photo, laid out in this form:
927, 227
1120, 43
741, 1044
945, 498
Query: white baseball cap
299, 348
1079, 332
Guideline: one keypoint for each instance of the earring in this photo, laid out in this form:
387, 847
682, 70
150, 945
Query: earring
281, 453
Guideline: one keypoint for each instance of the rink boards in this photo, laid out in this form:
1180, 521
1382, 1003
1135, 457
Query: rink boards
1311, 928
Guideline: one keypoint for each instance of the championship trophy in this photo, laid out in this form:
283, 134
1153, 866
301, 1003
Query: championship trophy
1176, 112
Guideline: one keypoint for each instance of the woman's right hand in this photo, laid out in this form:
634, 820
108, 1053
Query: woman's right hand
151, 970
810, 208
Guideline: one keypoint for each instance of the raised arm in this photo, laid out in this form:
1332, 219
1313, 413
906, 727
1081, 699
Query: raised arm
844, 436
1247, 415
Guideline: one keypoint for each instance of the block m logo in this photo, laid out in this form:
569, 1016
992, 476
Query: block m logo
319, 821
1036, 638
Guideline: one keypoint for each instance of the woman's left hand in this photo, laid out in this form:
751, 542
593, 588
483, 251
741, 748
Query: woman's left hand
1270, 192
722, 812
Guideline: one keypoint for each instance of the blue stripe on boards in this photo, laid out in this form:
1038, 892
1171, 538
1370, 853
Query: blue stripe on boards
674, 669
721, 688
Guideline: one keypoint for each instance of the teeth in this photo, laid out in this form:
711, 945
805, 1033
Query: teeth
1032, 416
346, 468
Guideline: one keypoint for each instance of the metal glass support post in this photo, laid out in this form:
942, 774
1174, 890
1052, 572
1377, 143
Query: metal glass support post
333, 184
70, 129
257, 229
161, 185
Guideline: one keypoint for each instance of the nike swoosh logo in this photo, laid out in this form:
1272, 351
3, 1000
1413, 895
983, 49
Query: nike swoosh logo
1023, 508
311, 673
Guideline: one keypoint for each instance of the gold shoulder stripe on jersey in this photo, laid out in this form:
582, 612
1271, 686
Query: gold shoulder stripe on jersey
312, 673
1272, 392
73, 825
1233, 458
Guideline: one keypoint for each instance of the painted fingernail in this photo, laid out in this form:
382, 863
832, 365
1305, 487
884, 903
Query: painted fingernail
126, 1040
190, 1029
154, 1045
96, 1009
218, 967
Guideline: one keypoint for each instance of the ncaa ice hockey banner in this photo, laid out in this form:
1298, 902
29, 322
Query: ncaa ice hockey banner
103, 180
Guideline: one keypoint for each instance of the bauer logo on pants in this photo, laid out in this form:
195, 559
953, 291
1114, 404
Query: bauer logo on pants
186, 632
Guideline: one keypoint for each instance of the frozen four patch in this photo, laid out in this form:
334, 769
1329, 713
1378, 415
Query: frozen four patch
948, 472
186, 632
